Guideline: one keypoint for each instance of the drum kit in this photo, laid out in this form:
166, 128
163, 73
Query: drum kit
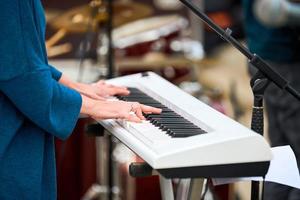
141, 43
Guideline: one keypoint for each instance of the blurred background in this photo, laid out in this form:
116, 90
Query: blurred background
156, 35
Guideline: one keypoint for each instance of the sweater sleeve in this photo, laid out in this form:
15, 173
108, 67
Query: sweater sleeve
56, 74
43, 101
25, 77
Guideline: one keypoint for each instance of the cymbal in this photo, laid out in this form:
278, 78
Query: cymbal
78, 19
51, 14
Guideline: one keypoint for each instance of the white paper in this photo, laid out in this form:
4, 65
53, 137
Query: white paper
283, 169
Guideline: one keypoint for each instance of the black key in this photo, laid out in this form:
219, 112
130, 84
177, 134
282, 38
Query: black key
168, 120
177, 125
165, 128
173, 121
162, 115
183, 135
157, 105
195, 131
141, 99
149, 117
166, 110
182, 130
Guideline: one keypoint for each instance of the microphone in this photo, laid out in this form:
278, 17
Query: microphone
276, 13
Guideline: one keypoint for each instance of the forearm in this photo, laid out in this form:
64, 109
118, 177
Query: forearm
67, 81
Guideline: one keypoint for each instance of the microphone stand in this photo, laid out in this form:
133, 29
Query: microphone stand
259, 81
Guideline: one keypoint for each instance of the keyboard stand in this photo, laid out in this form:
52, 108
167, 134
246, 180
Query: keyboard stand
194, 186
166, 188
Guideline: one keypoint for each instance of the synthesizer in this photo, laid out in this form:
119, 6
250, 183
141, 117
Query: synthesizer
189, 138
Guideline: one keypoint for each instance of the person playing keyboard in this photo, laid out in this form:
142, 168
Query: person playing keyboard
38, 103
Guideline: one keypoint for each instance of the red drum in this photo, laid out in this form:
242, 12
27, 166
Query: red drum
148, 35
142, 39
76, 163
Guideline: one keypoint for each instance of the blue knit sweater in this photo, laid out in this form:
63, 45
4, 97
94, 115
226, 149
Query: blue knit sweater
34, 107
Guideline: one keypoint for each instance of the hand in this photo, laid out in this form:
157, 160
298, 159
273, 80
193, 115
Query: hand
131, 111
100, 90
97, 91
103, 89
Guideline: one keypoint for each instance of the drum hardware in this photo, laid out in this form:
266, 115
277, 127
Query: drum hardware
94, 192
120, 154
92, 25
51, 14
55, 38
152, 61
144, 33
192, 49
76, 20
86, 19
59, 50
167, 4
102, 49
147, 44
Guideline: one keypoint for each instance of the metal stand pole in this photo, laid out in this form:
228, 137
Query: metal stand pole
111, 67
258, 84
166, 188
110, 74
197, 188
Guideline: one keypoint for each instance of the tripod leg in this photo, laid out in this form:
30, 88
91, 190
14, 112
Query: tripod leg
166, 188
196, 188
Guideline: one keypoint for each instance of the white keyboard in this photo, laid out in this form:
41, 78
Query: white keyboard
203, 143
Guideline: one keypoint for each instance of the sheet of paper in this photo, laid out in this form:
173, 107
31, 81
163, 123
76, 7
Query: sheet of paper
283, 169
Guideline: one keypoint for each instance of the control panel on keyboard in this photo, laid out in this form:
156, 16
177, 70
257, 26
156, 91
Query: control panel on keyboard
169, 122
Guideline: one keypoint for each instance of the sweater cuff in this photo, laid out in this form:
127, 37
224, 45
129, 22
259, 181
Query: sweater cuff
55, 73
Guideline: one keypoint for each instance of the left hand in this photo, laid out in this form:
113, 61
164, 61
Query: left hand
104, 89
100, 90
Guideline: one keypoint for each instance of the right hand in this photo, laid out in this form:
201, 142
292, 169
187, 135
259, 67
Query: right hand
131, 111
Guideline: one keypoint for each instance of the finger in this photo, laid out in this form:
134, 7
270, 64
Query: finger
93, 96
150, 109
98, 97
139, 113
101, 82
116, 86
120, 91
133, 118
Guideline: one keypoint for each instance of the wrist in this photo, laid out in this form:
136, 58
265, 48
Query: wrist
87, 106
